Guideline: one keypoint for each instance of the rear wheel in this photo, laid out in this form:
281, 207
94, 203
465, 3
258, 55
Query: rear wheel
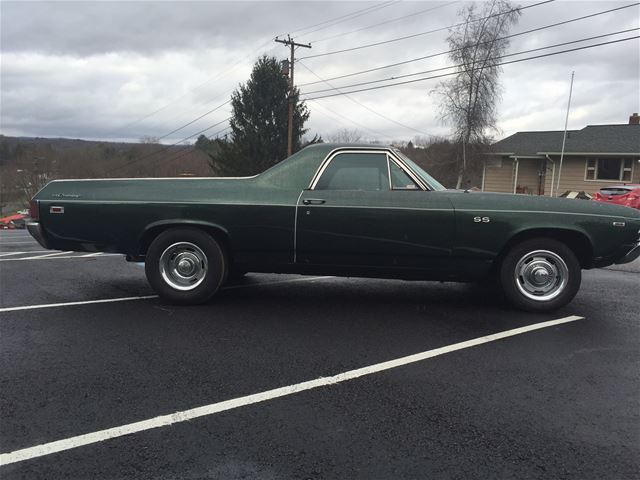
540, 274
185, 265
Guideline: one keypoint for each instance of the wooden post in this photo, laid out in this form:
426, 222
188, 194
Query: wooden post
292, 45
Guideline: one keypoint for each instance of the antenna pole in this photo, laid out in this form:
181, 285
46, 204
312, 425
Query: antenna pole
564, 137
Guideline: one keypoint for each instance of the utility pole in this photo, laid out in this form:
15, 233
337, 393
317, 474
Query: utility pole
292, 45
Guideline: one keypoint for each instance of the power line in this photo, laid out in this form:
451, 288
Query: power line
335, 115
196, 119
214, 98
215, 134
405, 62
368, 108
352, 15
327, 23
186, 112
197, 87
344, 18
398, 39
192, 149
235, 65
412, 15
397, 77
144, 157
493, 65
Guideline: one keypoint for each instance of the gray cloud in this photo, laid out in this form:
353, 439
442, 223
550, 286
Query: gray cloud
92, 69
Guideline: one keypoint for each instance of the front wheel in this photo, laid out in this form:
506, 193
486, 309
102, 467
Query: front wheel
185, 265
540, 275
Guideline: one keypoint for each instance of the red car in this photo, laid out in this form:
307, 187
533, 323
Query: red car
12, 222
627, 195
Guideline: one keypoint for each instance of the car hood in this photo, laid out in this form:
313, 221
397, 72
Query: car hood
507, 201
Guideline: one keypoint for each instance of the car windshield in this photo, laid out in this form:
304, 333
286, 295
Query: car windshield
433, 183
615, 191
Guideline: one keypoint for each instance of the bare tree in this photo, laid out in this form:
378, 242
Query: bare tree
31, 180
345, 135
469, 100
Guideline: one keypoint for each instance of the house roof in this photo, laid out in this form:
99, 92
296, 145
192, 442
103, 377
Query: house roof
619, 139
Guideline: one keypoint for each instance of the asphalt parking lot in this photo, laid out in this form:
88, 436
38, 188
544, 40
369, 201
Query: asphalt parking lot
135, 388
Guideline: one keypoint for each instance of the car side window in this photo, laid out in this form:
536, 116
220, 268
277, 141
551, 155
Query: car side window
400, 180
356, 171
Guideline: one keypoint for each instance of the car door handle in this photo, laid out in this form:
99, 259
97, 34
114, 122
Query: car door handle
313, 201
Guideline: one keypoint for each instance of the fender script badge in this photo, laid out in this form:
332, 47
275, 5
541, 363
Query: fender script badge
65, 195
481, 219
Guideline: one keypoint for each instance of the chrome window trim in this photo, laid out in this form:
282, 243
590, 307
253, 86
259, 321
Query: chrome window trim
334, 153
168, 202
409, 174
323, 164
414, 176
150, 178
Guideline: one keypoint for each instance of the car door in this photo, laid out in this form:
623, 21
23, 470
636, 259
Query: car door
366, 210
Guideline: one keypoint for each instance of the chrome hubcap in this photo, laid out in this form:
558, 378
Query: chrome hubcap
541, 275
183, 266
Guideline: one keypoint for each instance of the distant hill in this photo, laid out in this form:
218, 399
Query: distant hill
27, 163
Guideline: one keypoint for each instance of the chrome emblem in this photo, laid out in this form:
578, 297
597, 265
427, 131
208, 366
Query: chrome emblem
619, 224
65, 195
481, 219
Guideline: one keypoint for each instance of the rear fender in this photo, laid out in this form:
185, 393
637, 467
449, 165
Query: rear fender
154, 229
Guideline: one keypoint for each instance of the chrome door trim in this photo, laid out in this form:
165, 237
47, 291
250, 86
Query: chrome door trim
295, 229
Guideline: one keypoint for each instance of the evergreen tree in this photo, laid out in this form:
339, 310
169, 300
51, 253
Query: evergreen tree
258, 138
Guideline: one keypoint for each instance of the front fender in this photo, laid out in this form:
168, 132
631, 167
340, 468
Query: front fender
488, 239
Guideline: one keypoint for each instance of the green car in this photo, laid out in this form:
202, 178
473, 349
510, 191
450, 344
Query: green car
344, 210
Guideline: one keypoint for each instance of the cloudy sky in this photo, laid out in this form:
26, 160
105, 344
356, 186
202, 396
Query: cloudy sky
126, 70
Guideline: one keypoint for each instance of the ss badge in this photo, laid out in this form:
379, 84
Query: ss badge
481, 219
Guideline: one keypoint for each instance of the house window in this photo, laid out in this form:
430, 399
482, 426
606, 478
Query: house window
591, 169
611, 169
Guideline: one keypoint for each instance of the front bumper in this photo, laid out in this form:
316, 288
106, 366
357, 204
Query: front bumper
37, 232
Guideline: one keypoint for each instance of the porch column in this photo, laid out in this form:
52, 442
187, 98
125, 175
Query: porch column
484, 173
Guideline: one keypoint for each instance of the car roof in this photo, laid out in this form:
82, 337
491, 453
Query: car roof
325, 148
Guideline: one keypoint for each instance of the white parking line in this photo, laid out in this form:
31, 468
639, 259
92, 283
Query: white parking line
146, 297
68, 304
186, 415
43, 256
48, 257
6, 254
19, 243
